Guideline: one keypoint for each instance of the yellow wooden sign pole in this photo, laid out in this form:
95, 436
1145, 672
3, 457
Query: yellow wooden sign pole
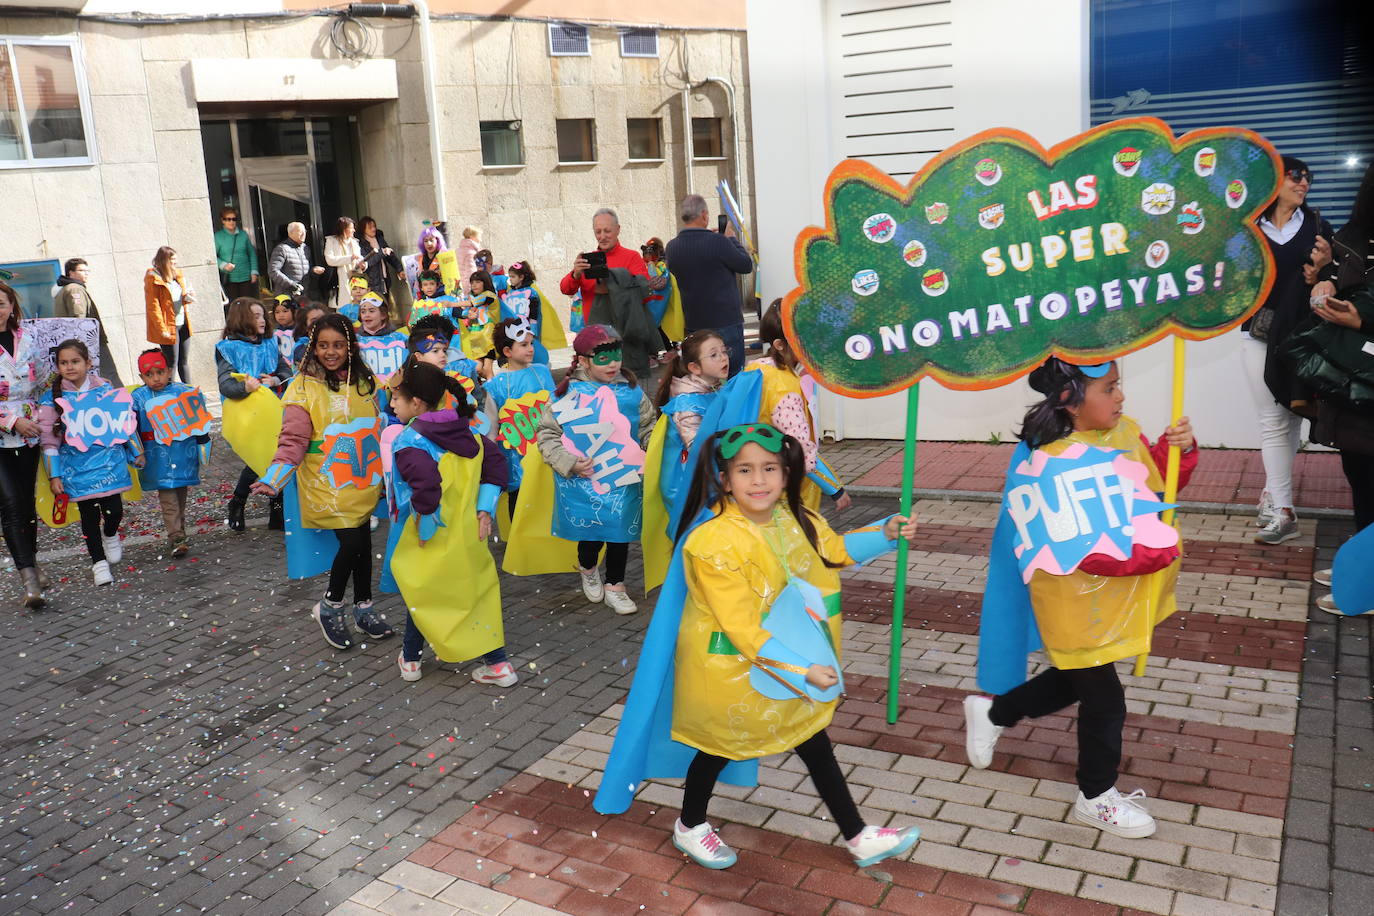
1170, 480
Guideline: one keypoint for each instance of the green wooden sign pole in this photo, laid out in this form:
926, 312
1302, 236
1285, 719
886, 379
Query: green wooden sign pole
894, 664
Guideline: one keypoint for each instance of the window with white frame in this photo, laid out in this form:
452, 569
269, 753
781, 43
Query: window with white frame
567, 40
639, 43
44, 105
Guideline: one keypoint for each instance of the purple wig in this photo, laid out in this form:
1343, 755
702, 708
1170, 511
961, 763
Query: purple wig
426, 233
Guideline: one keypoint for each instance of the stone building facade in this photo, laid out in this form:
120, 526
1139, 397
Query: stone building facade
162, 98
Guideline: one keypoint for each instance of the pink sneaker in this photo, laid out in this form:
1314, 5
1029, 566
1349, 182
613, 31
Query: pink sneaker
410, 671
874, 844
501, 674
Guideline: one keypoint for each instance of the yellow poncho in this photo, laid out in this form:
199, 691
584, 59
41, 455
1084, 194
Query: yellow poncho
1087, 620
324, 504
733, 576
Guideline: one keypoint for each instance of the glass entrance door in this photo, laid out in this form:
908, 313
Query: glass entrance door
279, 190
281, 170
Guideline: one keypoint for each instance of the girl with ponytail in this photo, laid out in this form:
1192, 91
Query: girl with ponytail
748, 550
330, 431
444, 484
1091, 615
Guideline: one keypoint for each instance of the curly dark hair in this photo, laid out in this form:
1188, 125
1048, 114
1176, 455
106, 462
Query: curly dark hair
355, 370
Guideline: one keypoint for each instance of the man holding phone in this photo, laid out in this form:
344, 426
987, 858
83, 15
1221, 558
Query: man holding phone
707, 265
589, 277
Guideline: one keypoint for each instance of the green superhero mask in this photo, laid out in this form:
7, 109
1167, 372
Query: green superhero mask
769, 438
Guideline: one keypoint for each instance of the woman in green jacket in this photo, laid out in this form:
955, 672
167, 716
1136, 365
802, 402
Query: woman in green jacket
237, 258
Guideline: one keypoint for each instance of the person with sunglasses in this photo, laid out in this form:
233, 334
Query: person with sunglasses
1300, 240
237, 258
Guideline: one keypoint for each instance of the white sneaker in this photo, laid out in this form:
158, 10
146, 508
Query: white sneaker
410, 671
591, 584
501, 674
1322, 577
980, 735
703, 845
1282, 527
1116, 813
1266, 513
114, 547
873, 844
101, 573
620, 600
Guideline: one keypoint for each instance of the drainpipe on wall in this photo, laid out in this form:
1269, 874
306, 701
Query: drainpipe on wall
432, 109
738, 169
687, 134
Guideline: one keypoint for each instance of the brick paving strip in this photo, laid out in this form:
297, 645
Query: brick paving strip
1210, 737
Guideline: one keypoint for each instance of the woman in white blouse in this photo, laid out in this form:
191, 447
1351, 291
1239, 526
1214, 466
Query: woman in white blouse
341, 252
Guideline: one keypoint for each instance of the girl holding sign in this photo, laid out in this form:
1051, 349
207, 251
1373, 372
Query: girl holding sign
383, 347
330, 441
246, 359
1097, 613
88, 452
524, 300
590, 441
172, 464
516, 397
743, 647
445, 481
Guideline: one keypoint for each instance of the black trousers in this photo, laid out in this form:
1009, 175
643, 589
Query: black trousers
1359, 471
819, 758
617, 555
18, 517
1101, 714
354, 559
178, 355
234, 289
247, 477
101, 515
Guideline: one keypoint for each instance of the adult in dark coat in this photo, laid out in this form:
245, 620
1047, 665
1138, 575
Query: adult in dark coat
1345, 304
707, 266
380, 263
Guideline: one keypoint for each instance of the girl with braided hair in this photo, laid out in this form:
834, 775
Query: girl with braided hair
330, 443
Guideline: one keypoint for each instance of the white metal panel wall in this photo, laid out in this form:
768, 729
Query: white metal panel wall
894, 82
892, 66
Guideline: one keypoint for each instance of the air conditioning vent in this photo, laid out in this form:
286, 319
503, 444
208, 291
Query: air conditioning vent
569, 40
639, 43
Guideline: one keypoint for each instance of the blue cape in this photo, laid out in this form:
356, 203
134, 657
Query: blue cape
644, 748
309, 551
1352, 584
1007, 633
737, 402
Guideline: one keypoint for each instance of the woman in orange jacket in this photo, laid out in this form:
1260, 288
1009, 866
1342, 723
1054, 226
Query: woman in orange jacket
165, 297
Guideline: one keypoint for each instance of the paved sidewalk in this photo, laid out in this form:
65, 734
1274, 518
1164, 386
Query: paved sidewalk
1224, 477
1244, 827
185, 743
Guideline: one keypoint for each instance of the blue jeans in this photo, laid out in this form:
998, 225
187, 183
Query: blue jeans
733, 335
413, 644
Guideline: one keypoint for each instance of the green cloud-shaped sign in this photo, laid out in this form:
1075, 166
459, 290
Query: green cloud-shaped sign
999, 253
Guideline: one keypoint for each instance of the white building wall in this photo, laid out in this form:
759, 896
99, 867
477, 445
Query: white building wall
1009, 63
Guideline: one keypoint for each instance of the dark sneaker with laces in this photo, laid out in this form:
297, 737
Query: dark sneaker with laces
334, 624
370, 622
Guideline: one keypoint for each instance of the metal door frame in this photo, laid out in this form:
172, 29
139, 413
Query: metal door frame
316, 229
